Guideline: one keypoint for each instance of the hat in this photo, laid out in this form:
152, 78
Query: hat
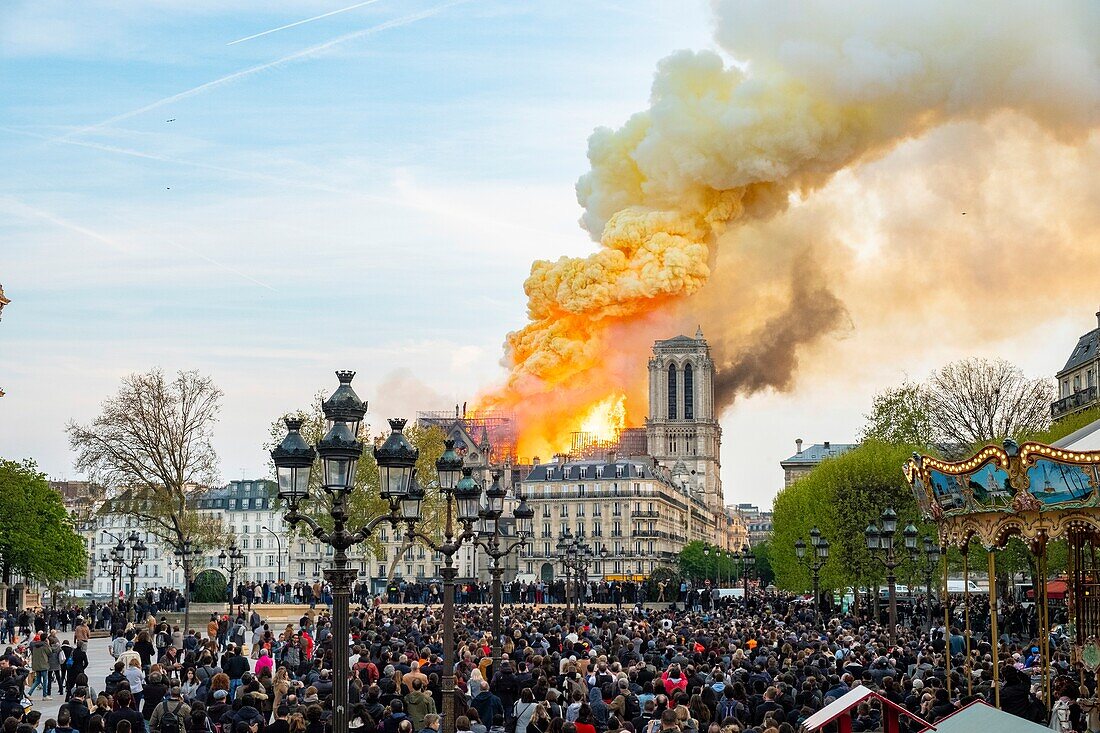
918, 685
221, 694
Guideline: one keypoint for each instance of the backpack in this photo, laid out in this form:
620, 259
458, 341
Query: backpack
170, 721
633, 706
728, 708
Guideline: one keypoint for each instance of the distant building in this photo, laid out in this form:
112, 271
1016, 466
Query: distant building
631, 511
758, 523
805, 460
1077, 381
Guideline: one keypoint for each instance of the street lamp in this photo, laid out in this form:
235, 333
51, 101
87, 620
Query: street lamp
577, 556
880, 544
138, 553
184, 556
339, 451
279, 545
235, 560
463, 502
746, 561
491, 543
820, 547
932, 561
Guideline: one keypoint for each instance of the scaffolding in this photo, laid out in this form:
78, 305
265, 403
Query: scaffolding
626, 442
499, 427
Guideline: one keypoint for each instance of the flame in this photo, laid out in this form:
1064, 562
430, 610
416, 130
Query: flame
606, 418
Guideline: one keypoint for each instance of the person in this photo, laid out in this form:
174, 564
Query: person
78, 709
585, 722
125, 710
487, 705
77, 666
419, 704
40, 666
524, 710
171, 714
431, 723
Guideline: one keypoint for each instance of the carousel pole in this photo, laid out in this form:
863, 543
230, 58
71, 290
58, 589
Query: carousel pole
966, 615
1044, 623
994, 637
946, 622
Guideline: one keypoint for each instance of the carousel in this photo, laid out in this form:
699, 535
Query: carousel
1040, 494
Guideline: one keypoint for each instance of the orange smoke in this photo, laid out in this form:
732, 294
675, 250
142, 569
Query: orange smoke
822, 88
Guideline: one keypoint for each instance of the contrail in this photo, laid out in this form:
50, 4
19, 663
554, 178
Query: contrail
302, 22
304, 53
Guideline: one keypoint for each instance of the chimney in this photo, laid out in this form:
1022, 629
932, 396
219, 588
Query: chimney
1097, 315
826, 445
798, 445
535, 461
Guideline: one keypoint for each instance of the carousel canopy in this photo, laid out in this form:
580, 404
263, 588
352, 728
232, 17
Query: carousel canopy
1033, 490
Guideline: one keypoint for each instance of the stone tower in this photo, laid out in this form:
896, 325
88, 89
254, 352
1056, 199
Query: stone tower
682, 426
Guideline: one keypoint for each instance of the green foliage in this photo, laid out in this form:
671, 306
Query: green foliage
841, 497
664, 573
209, 587
37, 538
700, 562
764, 570
900, 416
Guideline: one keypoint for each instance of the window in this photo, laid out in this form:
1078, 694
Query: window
618, 473
584, 472
1077, 383
1091, 378
672, 392
546, 532
689, 393
564, 512
549, 472
580, 510
270, 560
599, 469
244, 541
580, 529
597, 510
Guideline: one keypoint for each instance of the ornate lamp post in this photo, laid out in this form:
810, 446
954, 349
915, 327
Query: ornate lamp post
932, 561
820, 547
463, 502
565, 548
490, 541
185, 554
880, 543
339, 451
235, 560
746, 561
138, 553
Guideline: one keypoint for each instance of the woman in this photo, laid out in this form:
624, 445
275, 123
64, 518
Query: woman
540, 721
265, 662
361, 721
674, 680
585, 722
136, 679
314, 719
524, 709
145, 649
190, 685
297, 723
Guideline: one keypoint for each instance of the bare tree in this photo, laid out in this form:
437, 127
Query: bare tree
151, 447
978, 400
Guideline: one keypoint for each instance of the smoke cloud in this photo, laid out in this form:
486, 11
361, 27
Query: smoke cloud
704, 203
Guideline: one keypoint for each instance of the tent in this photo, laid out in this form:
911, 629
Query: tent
841, 709
1056, 590
980, 715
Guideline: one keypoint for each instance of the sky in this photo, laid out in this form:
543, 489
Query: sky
362, 191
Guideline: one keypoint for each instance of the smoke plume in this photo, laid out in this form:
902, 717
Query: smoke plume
681, 198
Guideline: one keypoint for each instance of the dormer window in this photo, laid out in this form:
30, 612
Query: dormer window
584, 471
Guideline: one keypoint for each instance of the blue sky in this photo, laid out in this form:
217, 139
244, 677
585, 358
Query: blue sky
375, 205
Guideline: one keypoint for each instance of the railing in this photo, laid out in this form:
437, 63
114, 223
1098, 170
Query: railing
1077, 400
645, 513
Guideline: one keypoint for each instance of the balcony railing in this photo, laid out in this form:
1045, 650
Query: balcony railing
645, 513
1074, 402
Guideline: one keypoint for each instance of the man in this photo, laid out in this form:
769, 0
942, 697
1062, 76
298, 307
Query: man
487, 705
397, 714
280, 724
125, 711
431, 724
40, 666
171, 714
419, 704
235, 665
78, 709
81, 633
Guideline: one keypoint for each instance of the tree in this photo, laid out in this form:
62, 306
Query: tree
764, 572
150, 446
841, 497
365, 502
901, 416
975, 401
37, 537
961, 405
209, 587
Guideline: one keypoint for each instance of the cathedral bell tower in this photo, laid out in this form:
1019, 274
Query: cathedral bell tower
682, 426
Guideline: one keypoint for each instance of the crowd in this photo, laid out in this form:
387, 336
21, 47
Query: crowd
763, 664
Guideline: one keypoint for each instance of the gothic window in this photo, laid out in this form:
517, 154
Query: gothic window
689, 393
672, 392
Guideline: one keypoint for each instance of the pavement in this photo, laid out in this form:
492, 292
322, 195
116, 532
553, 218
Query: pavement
100, 664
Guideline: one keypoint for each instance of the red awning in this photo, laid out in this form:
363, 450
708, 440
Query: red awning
1056, 589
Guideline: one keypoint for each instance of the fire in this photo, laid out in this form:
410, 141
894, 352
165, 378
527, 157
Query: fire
606, 418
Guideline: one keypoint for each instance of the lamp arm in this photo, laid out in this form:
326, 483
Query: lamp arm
293, 518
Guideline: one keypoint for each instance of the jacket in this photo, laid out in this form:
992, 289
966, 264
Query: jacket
487, 706
418, 704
